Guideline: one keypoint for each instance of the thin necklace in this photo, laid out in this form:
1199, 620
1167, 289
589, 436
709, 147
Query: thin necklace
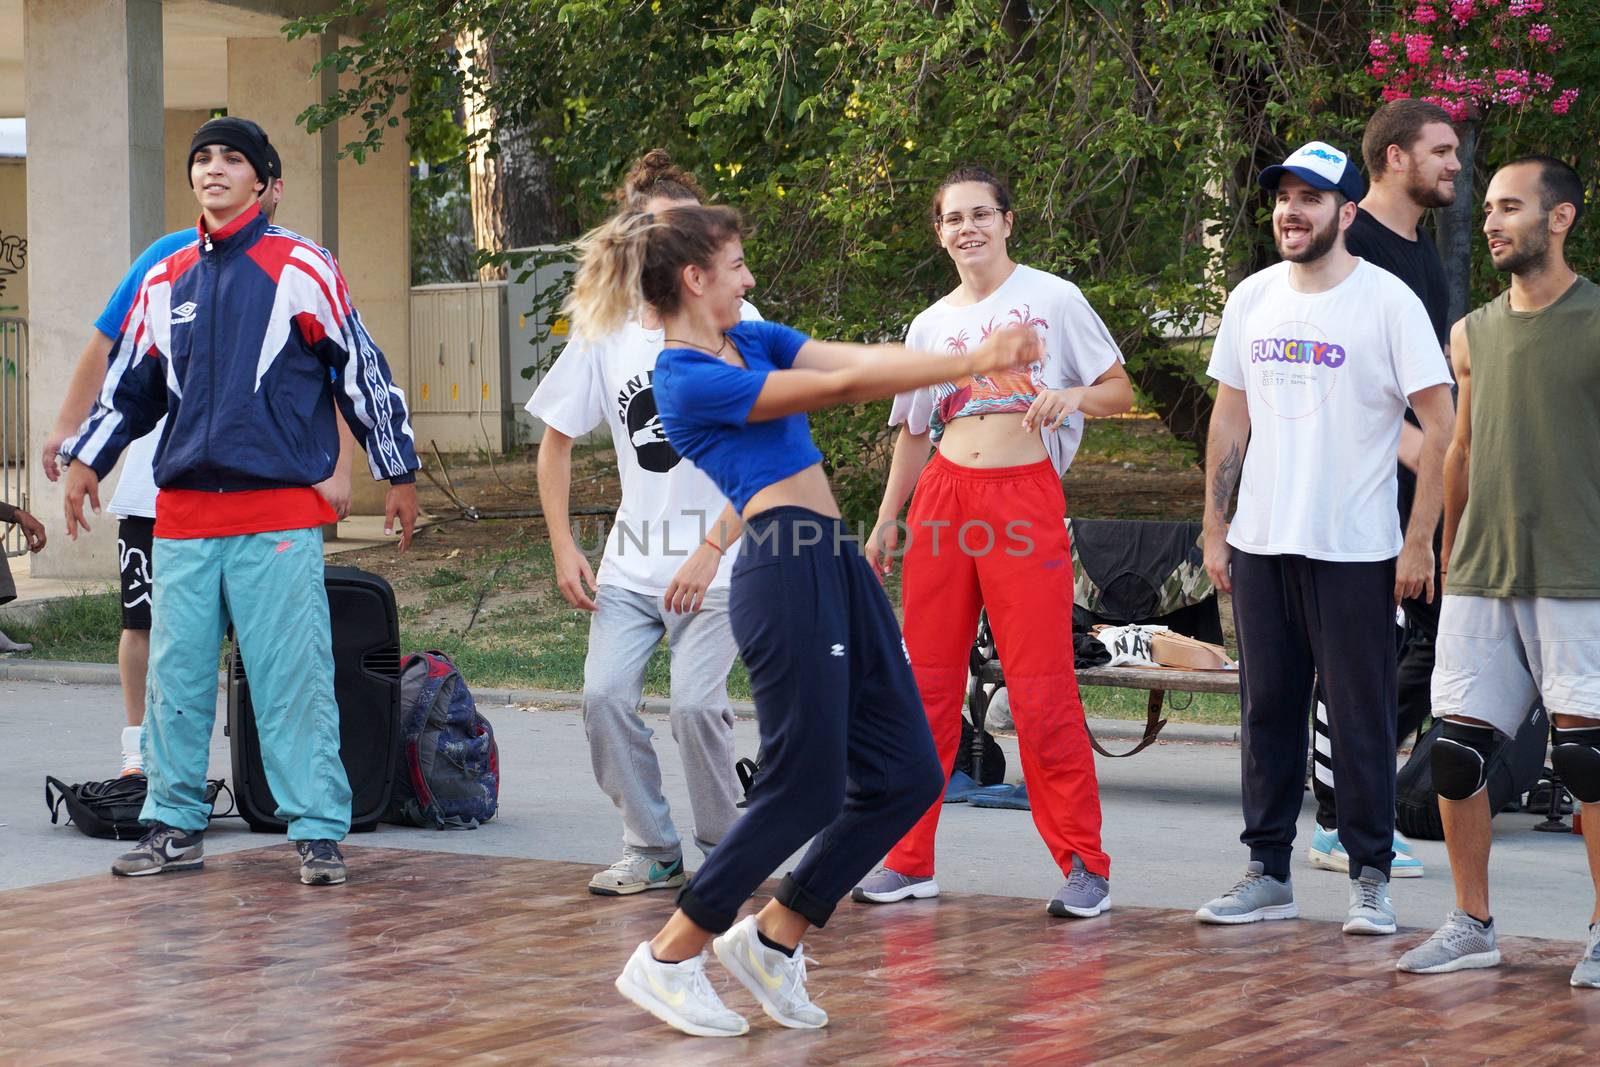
691, 344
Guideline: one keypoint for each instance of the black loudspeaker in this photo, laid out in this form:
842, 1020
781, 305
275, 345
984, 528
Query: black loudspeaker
366, 684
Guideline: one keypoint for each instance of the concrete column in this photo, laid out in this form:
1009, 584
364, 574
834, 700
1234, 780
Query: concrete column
93, 97
270, 81
375, 254
182, 209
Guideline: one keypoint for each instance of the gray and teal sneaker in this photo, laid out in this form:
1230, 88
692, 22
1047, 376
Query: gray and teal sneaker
321, 863
163, 848
886, 886
1084, 896
1462, 943
1256, 897
1371, 910
635, 874
1587, 972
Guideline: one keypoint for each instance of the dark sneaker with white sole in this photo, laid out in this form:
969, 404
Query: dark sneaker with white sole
887, 886
163, 848
1084, 896
321, 862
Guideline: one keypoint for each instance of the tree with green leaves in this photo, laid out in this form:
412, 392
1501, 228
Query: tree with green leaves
1130, 133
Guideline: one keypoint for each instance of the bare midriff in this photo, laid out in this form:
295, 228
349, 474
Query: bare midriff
996, 440
803, 489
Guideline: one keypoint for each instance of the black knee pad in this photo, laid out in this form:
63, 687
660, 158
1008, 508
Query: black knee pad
1576, 758
1460, 759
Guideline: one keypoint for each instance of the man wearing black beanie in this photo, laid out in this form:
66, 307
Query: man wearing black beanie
246, 341
247, 138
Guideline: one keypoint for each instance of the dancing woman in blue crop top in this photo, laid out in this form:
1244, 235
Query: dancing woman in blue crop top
848, 760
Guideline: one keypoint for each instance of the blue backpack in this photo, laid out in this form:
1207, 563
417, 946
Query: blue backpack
450, 765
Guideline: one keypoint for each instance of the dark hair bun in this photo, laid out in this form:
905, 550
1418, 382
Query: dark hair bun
654, 174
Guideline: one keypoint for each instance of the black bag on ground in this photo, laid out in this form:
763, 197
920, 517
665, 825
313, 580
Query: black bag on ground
110, 808
1513, 770
365, 627
992, 770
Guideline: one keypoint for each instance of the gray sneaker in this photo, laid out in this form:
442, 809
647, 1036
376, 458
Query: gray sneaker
321, 862
1258, 896
164, 848
884, 886
1587, 972
1371, 910
1460, 944
1085, 895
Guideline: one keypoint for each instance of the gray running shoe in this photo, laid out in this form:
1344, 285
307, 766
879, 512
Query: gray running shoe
635, 874
164, 848
1085, 895
776, 980
884, 886
321, 862
679, 994
1371, 910
1257, 896
1460, 944
1587, 972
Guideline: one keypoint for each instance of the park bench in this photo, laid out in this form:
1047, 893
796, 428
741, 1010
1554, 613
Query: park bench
1199, 620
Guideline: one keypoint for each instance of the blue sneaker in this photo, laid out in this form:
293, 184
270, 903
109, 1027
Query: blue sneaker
1013, 798
1327, 854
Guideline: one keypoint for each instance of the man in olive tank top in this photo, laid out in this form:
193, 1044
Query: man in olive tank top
1521, 614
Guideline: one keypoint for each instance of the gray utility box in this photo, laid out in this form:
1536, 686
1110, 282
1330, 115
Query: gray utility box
459, 393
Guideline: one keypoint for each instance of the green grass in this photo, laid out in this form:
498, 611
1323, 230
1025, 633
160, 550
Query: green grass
533, 643
1139, 441
83, 628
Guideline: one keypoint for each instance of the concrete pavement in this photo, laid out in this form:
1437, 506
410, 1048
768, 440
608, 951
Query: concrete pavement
1171, 821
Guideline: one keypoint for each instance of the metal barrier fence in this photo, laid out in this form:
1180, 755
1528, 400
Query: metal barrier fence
14, 463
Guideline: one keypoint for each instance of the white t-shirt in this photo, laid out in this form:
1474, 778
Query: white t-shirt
136, 485
668, 504
1078, 349
1327, 376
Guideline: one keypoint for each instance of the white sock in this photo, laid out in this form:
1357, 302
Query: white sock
131, 736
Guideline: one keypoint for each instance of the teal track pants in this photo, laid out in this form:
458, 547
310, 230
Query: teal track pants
270, 585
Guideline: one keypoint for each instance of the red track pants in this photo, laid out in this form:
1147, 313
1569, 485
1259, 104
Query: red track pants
997, 538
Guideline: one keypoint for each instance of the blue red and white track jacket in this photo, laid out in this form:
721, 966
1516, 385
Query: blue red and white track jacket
234, 338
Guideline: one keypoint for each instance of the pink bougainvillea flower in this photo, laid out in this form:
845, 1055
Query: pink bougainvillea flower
1377, 49
1419, 47
1424, 13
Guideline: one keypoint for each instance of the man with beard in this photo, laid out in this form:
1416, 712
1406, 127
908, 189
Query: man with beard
1315, 361
1410, 151
1521, 615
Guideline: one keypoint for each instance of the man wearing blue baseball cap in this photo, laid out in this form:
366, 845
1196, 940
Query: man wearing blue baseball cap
1315, 362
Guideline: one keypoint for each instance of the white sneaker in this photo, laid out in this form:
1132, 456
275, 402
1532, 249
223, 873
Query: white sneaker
776, 980
679, 994
132, 762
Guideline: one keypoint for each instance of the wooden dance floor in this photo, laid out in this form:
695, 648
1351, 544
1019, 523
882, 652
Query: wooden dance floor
439, 958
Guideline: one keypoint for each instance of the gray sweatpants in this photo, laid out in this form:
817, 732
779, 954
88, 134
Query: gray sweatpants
622, 635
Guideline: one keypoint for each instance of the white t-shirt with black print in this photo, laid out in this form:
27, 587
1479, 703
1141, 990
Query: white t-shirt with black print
668, 504
1327, 376
1078, 350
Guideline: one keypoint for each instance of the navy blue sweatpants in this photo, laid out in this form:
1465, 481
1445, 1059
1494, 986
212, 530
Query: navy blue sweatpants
847, 758
1296, 618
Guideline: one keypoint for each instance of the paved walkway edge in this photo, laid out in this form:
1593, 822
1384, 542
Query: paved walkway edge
26, 670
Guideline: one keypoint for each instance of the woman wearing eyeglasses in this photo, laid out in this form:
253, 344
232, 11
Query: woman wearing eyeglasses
986, 529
